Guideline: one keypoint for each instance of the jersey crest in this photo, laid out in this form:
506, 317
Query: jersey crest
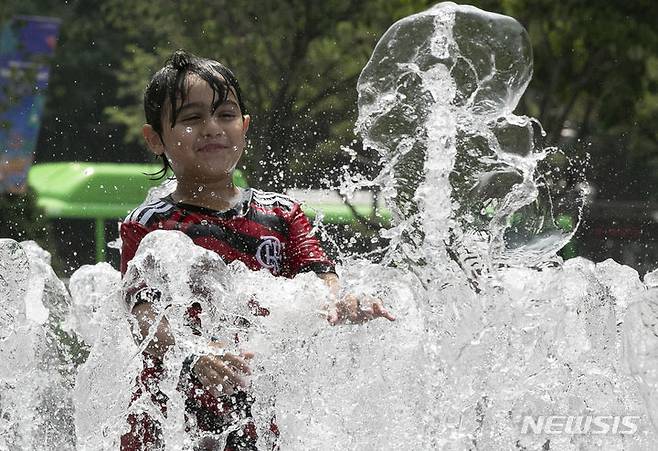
269, 254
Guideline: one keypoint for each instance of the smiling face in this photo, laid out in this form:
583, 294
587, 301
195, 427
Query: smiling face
206, 140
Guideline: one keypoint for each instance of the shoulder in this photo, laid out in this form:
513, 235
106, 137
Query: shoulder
150, 211
269, 201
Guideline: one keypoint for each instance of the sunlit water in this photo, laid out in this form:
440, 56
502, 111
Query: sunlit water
492, 325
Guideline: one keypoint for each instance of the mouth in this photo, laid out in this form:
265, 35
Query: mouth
213, 147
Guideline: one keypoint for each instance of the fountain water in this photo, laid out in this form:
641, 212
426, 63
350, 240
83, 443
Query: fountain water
493, 328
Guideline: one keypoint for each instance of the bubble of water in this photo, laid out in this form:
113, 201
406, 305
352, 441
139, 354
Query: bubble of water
436, 100
297, 352
641, 348
651, 279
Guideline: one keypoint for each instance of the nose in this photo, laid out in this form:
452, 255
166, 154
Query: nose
212, 126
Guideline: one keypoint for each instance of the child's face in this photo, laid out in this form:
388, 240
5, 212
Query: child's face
204, 145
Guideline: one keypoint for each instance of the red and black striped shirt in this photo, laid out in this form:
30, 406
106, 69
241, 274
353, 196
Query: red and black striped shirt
265, 230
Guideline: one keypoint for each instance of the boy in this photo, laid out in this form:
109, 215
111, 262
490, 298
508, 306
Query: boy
196, 122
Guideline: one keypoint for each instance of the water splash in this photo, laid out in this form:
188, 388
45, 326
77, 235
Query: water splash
39, 352
492, 326
436, 100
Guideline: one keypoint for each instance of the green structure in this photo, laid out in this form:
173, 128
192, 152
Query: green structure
109, 191
94, 191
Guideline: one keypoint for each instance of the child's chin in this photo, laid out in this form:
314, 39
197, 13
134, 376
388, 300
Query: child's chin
217, 171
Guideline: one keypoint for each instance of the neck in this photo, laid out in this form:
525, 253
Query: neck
217, 195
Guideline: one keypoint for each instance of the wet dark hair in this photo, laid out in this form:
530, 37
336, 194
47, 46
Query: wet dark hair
168, 84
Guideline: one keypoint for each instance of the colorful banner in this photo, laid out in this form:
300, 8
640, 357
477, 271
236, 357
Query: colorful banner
26, 47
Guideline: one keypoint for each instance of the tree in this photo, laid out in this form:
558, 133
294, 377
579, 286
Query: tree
594, 84
300, 60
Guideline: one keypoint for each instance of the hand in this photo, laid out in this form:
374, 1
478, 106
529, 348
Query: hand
350, 310
223, 373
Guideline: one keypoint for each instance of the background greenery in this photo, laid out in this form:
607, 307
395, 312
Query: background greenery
594, 84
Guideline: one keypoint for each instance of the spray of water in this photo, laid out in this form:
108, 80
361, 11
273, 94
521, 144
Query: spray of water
436, 100
492, 326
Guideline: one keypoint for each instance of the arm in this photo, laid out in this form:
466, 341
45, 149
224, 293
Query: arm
140, 298
220, 372
305, 253
162, 340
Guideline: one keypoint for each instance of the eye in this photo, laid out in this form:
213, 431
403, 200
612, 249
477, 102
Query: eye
227, 114
191, 118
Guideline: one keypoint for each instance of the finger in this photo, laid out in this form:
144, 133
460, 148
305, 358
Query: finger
247, 354
376, 310
205, 372
237, 362
231, 377
332, 316
379, 311
225, 373
353, 310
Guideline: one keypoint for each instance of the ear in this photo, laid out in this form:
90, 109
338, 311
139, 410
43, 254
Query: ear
153, 140
246, 120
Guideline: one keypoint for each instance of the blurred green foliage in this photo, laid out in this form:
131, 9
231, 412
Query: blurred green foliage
298, 62
596, 75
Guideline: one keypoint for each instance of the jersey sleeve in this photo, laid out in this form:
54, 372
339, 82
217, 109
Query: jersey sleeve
304, 252
134, 290
131, 235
